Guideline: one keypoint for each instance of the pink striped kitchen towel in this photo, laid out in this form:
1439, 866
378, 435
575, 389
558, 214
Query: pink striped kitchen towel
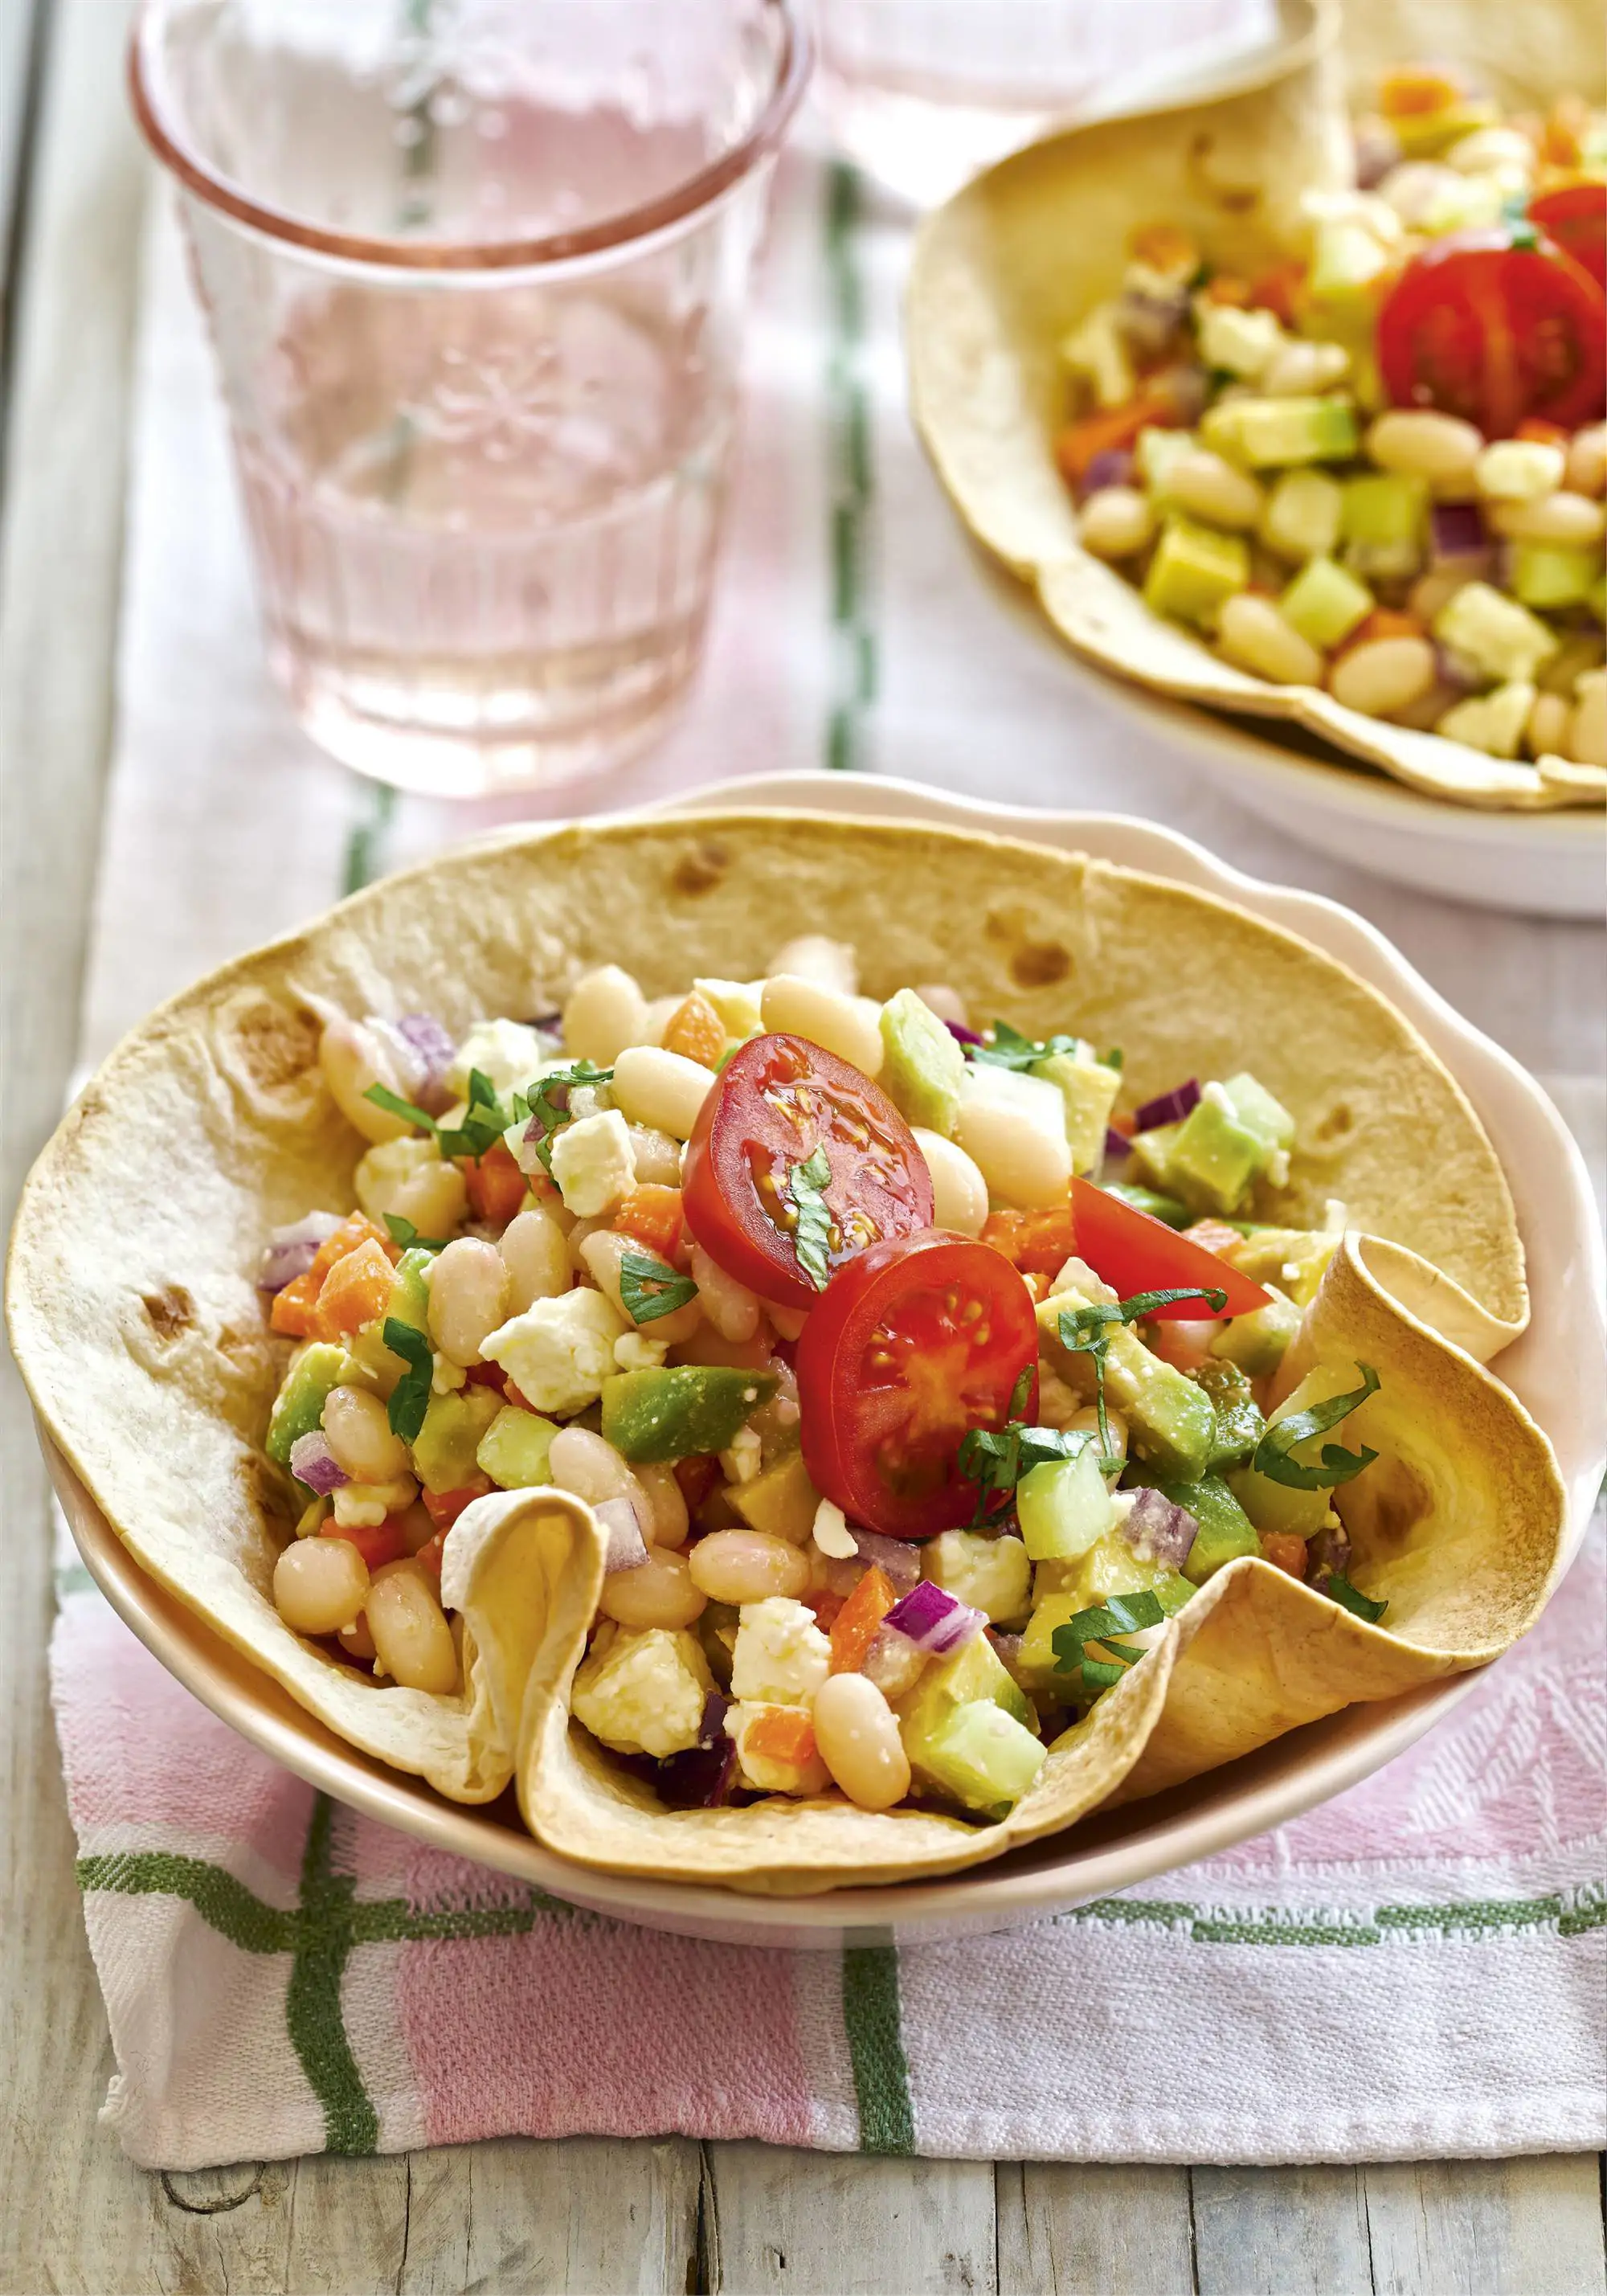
1414, 1969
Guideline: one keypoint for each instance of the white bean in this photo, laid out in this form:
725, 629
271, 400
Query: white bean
1587, 471
1519, 470
580, 1462
667, 1501
358, 1434
320, 1585
605, 1012
662, 1090
1575, 521
1212, 489
1437, 447
658, 1157
602, 1254
848, 1026
411, 1636
435, 1198
1024, 1166
1116, 522
468, 1297
535, 1251
1383, 675
1253, 633
832, 962
747, 1566
1435, 589
946, 1003
659, 1593
1587, 726
730, 1307
354, 1058
1547, 731
959, 1192
857, 1734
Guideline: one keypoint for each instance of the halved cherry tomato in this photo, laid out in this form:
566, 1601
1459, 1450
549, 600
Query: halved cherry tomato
779, 1099
1136, 1253
445, 1506
859, 1620
378, 1543
1576, 219
486, 1374
496, 1183
1495, 325
913, 1344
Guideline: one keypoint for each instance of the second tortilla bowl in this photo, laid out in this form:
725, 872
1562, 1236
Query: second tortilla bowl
1010, 266
138, 1328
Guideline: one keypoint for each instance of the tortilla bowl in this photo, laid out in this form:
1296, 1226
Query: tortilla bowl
137, 1327
1008, 266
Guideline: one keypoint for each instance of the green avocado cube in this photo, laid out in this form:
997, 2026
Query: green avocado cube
1170, 1421
781, 1500
1063, 1506
1301, 520
1273, 433
1194, 568
1215, 1158
299, 1405
445, 1448
513, 1449
1275, 1506
923, 1069
1259, 1112
1152, 1155
1256, 1344
1225, 1531
1381, 507
1325, 603
409, 1300
1239, 1418
974, 1671
675, 1413
1548, 574
1088, 1088
1109, 1568
983, 1757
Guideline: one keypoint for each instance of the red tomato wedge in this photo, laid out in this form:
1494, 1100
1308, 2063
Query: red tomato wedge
1576, 219
1136, 1253
1495, 325
914, 1343
778, 1100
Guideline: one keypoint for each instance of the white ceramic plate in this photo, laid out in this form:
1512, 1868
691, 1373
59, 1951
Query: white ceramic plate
1559, 1369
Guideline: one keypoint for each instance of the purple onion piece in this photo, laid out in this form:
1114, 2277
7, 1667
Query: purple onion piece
964, 1036
1168, 1107
1457, 530
1454, 670
1117, 1144
626, 1549
432, 1049
1329, 1553
895, 1556
1157, 1530
1377, 151
935, 1620
1009, 1650
314, 1463
1149, 324
1184, 389
291, 1250
1113, 467
703, 1776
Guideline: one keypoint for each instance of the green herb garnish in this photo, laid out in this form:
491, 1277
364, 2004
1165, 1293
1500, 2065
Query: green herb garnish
1351, 1598
1010, 1050
483, 1125
554, 1115
1272, 1454
1119, 1614
812, 1234
410, 1396
1086, 1331
403, 1232
994, 1459
650, 1289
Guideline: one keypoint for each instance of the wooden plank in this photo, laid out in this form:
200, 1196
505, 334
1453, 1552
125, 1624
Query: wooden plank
1092, 2230
833, 2224
1280, 2232
1487, 2228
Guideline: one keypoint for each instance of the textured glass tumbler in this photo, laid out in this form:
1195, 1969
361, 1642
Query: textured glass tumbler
476, 272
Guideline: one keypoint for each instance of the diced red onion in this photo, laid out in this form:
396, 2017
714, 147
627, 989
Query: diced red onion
1009, 1649
1147, 323
291, 1250
1377, 151
1183, 389
432, 1049
1157, 1530
704, 1775
935, 1620
1168, 1107
895, 1556
1113, 466
314, 1463
892, 1662
961, 1034
1457, 530
1456, 670
1329, 1552
1117, 1144
626, 1549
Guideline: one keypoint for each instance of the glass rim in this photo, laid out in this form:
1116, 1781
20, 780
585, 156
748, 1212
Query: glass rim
687, 199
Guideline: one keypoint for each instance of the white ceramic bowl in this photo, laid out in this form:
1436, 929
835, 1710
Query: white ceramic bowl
1559, 1369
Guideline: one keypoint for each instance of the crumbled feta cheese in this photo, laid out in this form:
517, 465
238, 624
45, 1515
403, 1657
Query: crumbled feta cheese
507, 1052
636, 1352
560, 1351
363, 1505
642, 1691
993, 1575
1077, 1275
831, 1534
763, 1772
741, 1459
1243, 343
1096, 350
594, 1163
781, 1654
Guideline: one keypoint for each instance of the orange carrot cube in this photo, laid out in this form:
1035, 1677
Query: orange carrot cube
854, 1628
355, 1291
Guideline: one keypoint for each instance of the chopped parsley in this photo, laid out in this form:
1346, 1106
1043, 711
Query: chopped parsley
484, 1123
650, 1289
812, 1235
994, 1459
1010, 1050
403, 1232
1086, 1331
1117, 1614
1351, 1598
410, 1396
1272, 1454
549, 1104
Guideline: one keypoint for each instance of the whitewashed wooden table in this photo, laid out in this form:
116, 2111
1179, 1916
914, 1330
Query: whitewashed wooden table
579, 2215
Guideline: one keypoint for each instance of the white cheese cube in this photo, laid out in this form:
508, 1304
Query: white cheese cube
594, 1163
993, 1575
782, 1656
642, 1691
507, 1053
765, 1772
560, 1351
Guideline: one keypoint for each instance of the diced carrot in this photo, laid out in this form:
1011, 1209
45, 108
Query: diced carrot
1279, 291
355, 1291
515, 1395
295, 1309
496, 1187
1562, 137
653, 1213
1039, 1244
1223, 287
1284, 1551
296, 1305
826, 1606
1111, 427
378, 1543
781, 1733
445, 1506
429, 1556
1542, 434
1164, 248
854, 1628
1215, 1235
1125, 1124
1412, 90
695, 1030
697, 1475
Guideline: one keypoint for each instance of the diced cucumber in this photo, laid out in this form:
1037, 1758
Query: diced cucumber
984, 1757
1155, 451
1273, 433
1547, 574
1257, 1342
1325, 603
1194, 568
1301, 520
1063, 1506
513, 1449
445, 1448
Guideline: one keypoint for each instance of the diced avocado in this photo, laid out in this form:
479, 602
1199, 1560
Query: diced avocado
781, 1500
1259, 1112
975, 1671
513, 1449
673, 1413
1257, 1342
1172, 1210
1301, 520
1275, 1506
1493, 722
1215, 1158
1547, 574
1239, 1420
1110, 1568
992, 1574
1325, 603
1350, 264
1063, 1506
409, 1300
1225, 1531
1424, 135
923, 1068
1494, 632
1170, 1421
1271, 433
1194, 568
1156, 451
982, 1757
445, 1448
1383, 524
1088, 1088
1153, 1152
299, 1405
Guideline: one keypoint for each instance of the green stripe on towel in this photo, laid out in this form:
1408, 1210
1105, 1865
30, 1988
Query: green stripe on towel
870, 2015
312, 2009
